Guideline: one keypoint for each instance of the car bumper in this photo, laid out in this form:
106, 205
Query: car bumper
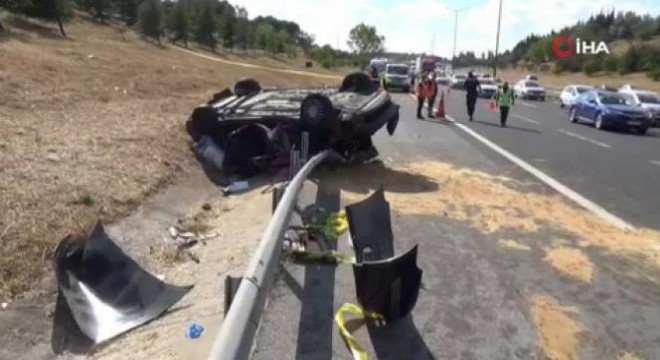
625, 122
534, 95
487, 93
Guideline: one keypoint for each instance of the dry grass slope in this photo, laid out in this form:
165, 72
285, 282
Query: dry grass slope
90, 126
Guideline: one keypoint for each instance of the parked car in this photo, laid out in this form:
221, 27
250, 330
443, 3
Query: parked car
529, 89
457, 81
488, 88
607, 109
570, 93
646, 99
397, 76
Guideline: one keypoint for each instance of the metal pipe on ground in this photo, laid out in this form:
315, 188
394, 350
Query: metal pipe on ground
234, 341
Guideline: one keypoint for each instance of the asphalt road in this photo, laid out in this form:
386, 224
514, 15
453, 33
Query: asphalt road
475, 297
619, 171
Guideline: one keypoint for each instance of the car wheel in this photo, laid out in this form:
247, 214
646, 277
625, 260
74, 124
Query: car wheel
542, 98
643, 130
406, 89
317, 114
561, 104
245, 87
599, 122
358, 82
572, 115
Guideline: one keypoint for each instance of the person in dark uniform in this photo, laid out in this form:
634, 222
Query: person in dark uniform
472, 88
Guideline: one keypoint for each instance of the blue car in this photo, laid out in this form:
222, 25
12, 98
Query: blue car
609, 110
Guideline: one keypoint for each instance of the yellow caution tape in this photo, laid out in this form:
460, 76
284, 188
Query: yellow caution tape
351, 342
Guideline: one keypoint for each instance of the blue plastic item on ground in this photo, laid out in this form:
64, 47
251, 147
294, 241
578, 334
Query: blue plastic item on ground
194, 331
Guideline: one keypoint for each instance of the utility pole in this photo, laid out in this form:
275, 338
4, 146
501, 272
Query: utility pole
497, 41
456, 11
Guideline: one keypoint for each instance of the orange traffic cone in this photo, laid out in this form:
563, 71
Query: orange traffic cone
441, 106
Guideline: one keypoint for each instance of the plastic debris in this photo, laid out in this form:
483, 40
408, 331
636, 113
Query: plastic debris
334, 225
106, 291
194, 331
236, 187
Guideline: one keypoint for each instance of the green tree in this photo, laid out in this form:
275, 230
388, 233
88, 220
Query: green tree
305, 41
178, 24
127, 10
98, 8
206, 26
242, 28
50, 10
364, 41
280, 42
610, 63
228, 30
628, 62
326, 56
150, 18
592, 66
265, 37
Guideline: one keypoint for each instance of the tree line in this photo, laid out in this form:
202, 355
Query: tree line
209, 23
624, 27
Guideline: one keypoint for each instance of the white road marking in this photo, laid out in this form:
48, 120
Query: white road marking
524, 119
561, 188
577, 136
655, 162
527, 104
547, 179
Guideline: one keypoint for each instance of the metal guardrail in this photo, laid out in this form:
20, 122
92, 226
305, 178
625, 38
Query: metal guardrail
234, 341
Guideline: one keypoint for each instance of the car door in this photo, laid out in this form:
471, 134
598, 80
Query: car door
590, 107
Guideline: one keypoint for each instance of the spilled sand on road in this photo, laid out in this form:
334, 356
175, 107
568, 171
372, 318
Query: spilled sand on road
493, 203
557, 331
571, 263
514, 245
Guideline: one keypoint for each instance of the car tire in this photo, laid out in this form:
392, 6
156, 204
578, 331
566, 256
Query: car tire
317, 114
406, 89
542, 98
572, 116
561, 104
643, 130
246, 87
598, 124
358, 82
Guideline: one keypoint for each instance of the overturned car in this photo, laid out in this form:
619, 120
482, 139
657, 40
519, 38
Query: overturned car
250, 128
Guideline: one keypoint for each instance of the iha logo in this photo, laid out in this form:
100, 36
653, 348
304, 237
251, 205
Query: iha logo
563, 47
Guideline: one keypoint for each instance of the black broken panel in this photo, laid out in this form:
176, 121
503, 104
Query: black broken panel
384, 283
389, 287
107, 292
371, 227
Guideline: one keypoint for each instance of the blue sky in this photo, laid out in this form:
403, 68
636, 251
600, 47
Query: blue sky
412, 25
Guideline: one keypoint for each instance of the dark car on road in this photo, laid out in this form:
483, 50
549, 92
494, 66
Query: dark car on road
610, 110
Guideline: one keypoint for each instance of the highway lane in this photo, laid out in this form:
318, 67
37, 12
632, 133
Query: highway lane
618, 171
476, 297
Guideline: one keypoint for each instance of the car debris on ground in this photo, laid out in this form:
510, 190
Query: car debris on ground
105, 290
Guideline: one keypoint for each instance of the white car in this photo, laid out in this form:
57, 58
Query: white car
529, 89
457, 81
443, 79
570, 93
397, 76
488, 88
532, 77
646, 99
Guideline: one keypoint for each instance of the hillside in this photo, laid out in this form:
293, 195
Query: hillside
91, 125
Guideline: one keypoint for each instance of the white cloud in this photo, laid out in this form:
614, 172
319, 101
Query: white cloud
411, 26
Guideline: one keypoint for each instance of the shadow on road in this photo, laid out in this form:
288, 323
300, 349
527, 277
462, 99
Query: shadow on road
316, 325
365, 178
399, 340
508, 127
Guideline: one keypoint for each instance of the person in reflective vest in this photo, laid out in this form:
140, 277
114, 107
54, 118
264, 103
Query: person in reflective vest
431, 93
504, 100
421, 94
